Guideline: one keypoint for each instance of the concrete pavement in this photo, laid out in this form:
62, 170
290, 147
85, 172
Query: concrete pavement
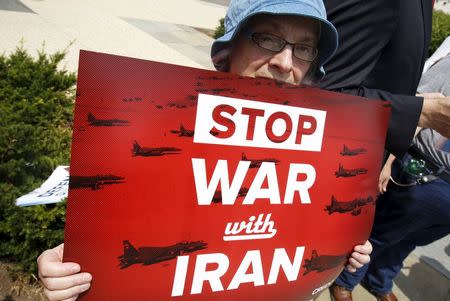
164, 31
116, 29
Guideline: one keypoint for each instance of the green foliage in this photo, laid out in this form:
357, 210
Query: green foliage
441, 30
220, 29
36, 103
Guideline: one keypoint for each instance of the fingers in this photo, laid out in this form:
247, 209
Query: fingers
382, 185
350, 268
359, 257
385, 175
353, 264
365, 249
61, 280
357, 260
62, 283
70, 293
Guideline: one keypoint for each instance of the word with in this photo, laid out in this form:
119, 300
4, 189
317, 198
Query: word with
258, 229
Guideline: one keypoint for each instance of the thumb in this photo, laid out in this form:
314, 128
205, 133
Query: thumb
50, 264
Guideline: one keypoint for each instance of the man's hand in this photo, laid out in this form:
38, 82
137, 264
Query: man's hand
436, 113
384, 178
62, 281
359, 257
385, 174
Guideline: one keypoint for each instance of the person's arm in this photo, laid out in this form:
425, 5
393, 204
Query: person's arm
61, 280
371, 61
405, 116
364, 34
436, 115
427, 110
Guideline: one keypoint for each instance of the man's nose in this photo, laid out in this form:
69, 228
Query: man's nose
282, 61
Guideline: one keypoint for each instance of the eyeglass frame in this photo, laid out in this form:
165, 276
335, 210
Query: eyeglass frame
250, 34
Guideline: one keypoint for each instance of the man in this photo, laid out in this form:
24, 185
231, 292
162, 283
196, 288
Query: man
415, 210
382, 49
285, 40
383, 45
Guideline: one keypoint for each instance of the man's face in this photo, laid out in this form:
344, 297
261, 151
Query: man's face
248, 59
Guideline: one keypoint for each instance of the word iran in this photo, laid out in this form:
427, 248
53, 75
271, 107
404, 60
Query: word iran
249, 271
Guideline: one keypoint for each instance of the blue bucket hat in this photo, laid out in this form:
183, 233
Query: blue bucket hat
239, 11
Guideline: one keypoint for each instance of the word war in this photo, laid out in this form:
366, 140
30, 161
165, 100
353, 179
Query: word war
267, 170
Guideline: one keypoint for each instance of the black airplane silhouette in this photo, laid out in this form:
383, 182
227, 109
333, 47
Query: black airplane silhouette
323, 262
353, 206
352, 152
94, 182
153, 151
217, 198
182, 132
342, 172
106, 122
151, 255
255, 163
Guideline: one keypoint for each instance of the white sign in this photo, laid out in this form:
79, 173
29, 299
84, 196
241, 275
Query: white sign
53, 190
232, 121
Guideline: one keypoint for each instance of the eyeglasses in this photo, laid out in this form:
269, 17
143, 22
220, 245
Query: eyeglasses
276, 44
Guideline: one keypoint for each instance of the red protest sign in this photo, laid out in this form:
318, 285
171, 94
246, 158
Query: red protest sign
188, 184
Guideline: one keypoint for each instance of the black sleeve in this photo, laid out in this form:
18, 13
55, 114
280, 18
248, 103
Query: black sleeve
371, 60
365, 28
405, 113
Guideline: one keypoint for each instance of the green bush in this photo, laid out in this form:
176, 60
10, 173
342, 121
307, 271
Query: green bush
36, 104
220, 29
441, 30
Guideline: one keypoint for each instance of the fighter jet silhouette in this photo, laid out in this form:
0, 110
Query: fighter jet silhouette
352, 152
106, 122
323, 262
217, 198
255, 163
342, 172
151, 255
153, 151
353, 206
94, 182
182, 132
